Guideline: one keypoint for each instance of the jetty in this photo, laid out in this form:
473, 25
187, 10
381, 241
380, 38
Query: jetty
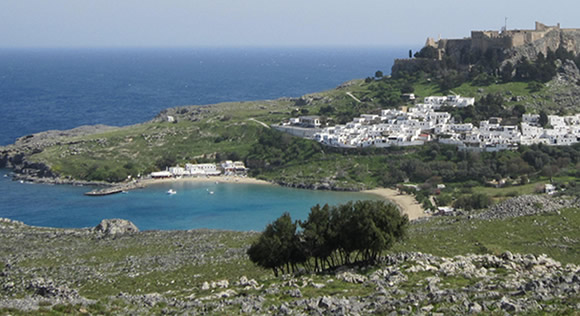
115, 189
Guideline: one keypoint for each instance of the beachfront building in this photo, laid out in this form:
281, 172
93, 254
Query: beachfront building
178, 171
233, 167
161, 175
203, 169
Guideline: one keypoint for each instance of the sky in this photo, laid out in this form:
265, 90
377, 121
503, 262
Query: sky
195, 23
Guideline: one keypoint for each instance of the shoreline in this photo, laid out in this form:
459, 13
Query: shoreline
220, 179
405, 202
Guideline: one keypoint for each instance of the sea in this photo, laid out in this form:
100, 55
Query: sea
45, 89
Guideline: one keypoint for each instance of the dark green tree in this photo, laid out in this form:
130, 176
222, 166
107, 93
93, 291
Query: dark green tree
317, 236
507, 72
518, 110
429, 52
543, 120
474, 201
278, 248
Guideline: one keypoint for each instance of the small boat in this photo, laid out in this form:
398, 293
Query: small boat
210, 192
21, 181
171, 192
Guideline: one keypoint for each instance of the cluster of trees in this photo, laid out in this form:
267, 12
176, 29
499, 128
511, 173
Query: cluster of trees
490, 105
474, 201
434, 164
428, 52
331, 236
387, 167
447, 164
275, 149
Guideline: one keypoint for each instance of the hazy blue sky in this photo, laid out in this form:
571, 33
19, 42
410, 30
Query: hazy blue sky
56, 23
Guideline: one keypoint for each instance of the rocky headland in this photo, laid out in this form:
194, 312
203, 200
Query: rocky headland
17, 155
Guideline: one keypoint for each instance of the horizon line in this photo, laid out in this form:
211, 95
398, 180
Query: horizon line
112, 47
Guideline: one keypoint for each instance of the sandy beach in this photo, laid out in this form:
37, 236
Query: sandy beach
222, 179
406, 202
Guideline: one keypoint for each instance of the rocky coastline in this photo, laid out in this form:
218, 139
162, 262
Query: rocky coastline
15, 156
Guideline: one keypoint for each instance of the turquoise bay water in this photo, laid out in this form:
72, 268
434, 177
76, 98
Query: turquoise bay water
233, 206
43, 89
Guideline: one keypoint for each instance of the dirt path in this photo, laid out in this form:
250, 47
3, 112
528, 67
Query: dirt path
259, 122
352, 96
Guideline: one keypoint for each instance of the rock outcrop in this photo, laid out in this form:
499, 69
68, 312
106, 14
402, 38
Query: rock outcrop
113, 227
570, 40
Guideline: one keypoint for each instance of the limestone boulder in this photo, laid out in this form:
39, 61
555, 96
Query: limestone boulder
114, 227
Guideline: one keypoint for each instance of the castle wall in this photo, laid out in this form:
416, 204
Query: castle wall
519, 39
454, 47
483, 42
536, 36
540, 39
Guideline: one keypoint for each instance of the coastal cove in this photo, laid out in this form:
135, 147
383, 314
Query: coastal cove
233, 206
46, 89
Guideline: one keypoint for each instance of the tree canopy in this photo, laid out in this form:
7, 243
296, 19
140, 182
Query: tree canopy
331, 236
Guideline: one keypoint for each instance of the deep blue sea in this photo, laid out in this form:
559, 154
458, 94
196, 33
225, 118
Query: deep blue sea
42, 89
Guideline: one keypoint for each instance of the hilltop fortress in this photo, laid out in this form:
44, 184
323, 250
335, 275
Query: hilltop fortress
548, 37
508, 45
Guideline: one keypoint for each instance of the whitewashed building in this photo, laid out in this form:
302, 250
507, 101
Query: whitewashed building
204, 169
422, 123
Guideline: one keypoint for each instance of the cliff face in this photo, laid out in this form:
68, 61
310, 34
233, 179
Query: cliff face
570, 40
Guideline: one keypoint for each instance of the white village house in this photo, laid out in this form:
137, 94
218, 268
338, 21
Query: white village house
422, 123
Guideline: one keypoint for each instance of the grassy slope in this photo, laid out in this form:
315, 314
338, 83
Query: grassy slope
137, 148
424, 88
223, 128
552, 234
226, 128
115, 259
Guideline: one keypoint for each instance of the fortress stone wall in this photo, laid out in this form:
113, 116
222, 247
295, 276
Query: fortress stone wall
513, 44
508, 39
